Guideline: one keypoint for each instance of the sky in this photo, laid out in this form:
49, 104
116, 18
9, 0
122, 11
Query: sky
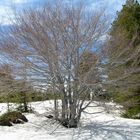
7, 6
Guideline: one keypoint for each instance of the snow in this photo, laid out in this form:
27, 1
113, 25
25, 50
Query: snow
96, 124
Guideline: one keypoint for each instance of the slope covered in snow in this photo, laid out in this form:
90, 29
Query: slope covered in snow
96, 124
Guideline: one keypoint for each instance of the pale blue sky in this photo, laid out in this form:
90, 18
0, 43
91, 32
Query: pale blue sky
6, 6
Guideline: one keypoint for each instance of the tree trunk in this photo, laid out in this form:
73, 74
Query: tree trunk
56, 114
24, 98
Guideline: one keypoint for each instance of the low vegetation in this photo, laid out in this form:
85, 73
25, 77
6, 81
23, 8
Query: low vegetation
10, 118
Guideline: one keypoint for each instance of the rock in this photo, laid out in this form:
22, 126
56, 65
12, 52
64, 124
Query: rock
10, 118
6, 123
23, 118
49, 116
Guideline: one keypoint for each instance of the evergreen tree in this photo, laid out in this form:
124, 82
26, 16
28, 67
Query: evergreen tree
124, 55
130, 2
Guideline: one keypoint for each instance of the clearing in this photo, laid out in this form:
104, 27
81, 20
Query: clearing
96, 124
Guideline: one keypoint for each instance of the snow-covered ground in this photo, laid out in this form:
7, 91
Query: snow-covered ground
96, 124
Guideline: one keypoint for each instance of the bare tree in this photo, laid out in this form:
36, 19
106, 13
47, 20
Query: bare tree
51, 41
